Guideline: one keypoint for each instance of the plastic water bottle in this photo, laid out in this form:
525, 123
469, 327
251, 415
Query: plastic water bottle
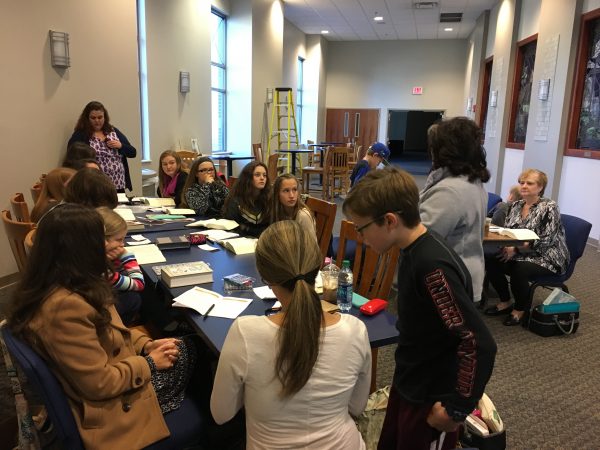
344, 293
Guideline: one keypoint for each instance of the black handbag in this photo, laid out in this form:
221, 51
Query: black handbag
493, 441
553, 324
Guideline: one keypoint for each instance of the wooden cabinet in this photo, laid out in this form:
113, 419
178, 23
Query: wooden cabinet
352, 125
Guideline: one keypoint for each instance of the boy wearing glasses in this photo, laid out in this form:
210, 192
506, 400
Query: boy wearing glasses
445, 353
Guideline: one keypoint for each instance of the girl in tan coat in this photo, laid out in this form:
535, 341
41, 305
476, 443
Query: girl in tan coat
65, 309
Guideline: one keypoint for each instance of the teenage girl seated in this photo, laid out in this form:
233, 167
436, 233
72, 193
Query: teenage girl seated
52, 192
125, 275
248, 202
171, 178
92, 188
299, 374
287, 204
204, 191
119, 382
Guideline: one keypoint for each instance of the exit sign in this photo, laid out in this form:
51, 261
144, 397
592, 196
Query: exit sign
417, 90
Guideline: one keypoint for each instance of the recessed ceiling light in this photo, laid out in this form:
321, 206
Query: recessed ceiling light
448, 29
324, 31
378, 18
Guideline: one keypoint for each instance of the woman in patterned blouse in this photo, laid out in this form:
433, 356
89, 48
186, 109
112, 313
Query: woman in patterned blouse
112, 147
204, 191
547, 256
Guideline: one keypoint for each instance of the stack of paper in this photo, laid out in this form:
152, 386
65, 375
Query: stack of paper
147, 254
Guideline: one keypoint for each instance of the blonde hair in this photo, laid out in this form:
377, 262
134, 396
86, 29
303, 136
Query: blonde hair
277, 208
542, 178
113, 223
515, 193
288, 256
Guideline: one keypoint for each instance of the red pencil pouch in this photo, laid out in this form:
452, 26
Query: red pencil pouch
372, 307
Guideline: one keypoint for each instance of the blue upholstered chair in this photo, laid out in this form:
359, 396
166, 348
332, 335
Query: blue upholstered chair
577, 232
185, 424
493, 200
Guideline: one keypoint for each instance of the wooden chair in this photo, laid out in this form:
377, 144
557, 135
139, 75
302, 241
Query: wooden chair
231, 182
356, 157
272, 167
16, 232
187, 158
336, 175
324, 213
373, 273
257, 152
29, 239
19, 207
308, 171
36, 190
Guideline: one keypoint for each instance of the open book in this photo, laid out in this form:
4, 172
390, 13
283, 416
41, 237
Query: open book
157, 201
215, 224
181, 211
202, 300
240, 246
522, 234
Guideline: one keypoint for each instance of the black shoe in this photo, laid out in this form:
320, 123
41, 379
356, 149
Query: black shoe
494, 311
511, 321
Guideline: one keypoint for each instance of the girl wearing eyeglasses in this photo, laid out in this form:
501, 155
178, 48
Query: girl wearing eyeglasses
204, 191
249, 201
171, 179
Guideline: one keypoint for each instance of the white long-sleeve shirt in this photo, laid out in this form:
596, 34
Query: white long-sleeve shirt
317, 417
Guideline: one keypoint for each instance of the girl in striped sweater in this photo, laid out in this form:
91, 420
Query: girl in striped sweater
126, 277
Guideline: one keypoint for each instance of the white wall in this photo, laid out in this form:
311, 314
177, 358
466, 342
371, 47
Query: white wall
41, 104
294, 46
491, 37
381, 74
178, 39
529, 19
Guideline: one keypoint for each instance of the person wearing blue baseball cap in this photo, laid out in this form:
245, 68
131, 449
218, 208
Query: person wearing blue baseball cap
377, 154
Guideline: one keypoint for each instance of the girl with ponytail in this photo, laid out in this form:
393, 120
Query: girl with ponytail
302, 372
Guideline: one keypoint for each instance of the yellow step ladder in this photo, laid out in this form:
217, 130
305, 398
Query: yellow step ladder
283, 133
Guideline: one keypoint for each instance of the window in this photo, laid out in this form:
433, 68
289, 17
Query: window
218, 79
485, 95
522, 92
299, 97
583, 138
141, 14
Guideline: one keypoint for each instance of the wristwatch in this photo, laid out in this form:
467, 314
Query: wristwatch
455, 415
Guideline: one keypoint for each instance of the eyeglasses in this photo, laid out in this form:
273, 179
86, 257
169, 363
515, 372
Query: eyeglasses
363, 227
211, 170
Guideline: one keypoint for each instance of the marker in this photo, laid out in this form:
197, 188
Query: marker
210, 308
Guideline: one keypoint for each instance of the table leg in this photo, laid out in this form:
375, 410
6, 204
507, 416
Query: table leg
293, 155
373, 369
229, 168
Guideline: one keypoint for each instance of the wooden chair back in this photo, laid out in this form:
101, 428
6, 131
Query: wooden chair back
231, 182
361, 152
373, 273
19, 207
272, 167
16, 232
257, 152
324, 213
187, 158
336, 177
29, 240
36, 190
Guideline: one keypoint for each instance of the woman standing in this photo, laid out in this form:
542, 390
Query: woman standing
453, 202
248, 202
299, 373
111, 146
171, 178
119, 382
204, 191
287, 204
548, 255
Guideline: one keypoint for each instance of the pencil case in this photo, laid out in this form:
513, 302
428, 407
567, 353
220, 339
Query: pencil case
372, 307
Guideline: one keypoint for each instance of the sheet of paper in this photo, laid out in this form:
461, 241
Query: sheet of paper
125, 213
208, 248
143, 242
201, 300
264, 292
138, 237
147, 254
122, 198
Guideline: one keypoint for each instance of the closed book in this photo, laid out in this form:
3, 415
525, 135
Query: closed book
170, 243
157, 201
134, 225
184, 274
181, 211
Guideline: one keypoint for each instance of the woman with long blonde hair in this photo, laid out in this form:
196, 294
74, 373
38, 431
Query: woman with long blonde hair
299, 373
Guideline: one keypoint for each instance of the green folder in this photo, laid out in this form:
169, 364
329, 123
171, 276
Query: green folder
165, 216
358, 300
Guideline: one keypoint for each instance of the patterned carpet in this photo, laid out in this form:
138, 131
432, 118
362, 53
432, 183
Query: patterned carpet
545, 389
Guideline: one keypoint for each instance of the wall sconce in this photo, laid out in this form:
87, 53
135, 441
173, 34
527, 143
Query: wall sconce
470, 104
494, 99
544, 89
59, 49
184, 82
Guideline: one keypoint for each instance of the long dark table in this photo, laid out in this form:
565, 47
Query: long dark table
381, 327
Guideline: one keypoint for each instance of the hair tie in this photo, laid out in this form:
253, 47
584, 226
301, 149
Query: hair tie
298, 277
